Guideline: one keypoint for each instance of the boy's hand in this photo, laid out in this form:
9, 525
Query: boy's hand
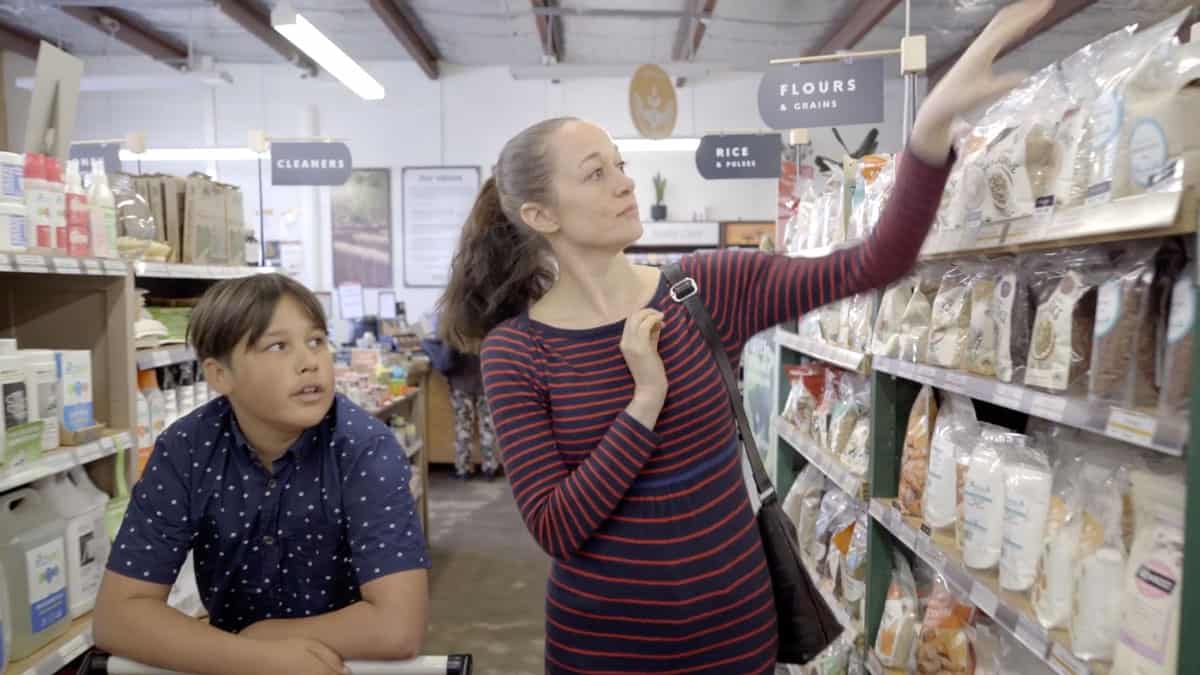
300, 656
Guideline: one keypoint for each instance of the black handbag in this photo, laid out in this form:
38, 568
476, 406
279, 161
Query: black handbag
806, 624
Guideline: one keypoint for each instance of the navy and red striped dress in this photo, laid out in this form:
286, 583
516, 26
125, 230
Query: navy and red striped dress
658, 566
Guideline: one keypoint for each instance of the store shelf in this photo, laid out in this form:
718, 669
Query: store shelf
53, 657
838, 356
28, 263
1148, 215
63, 459
164, 356
182, 271
1166, 435
1011, 611
849, 482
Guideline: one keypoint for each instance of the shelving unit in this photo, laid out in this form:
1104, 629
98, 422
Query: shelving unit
831, 466
1173, 211
42, 264
204, 272
414, 400
53, 657
164, 356
63, 459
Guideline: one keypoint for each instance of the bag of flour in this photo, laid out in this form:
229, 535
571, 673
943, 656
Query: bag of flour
1099, 567
950, 318
885, 340
983, 506
980, 355
1027, 489
954, 435
898, 627
1149, 628
1176, 380
914, 460
1061, 344
1054, 591
999, 438
917, 318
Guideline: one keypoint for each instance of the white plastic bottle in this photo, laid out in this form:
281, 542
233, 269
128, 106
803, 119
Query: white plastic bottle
42, 375
81, 506
103, 210
148, 382
57, 191
39, 231
34, 556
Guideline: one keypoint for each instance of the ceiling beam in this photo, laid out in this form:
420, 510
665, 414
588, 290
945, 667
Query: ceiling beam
550, 29
854, 27
134, 32
692, 26
400, 20
1061, 11
19, 40
255, 21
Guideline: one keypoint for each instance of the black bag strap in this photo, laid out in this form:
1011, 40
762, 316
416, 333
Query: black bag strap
685, 291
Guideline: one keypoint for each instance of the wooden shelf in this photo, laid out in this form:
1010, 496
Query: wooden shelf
849, 482
1141, 428
32, 263
1011, 611
838, 356
164, 356
184, 271
63, 650
63, 459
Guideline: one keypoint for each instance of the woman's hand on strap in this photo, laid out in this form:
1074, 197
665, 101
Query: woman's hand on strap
971, 82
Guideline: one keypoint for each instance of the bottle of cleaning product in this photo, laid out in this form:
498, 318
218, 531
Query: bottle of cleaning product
81, 506
42, 374
170, 395
148, 383
102, 207
79, 216
57, 190
39, 231
20, 430
34, 556
143, 438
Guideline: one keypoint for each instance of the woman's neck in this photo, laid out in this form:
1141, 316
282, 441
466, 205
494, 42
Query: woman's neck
595, 292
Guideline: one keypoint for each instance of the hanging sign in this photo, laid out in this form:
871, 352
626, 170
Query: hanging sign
739, 156
310, 163
652, 102
822, 94
90, 155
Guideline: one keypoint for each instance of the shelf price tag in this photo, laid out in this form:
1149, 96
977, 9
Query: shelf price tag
108, 444
1049, 407
1032, 635
114, 267
92, 267
1130, 426
1008, 396
984, 598
67, 266
5, 263
31, 263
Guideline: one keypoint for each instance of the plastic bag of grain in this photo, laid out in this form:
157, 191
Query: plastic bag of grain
885, 339
1060, 349
1176, 380
1148, 641
1027, 486
917, 318
1013, 305
999, 437
854, 565
901, 616
914, 461
813, 485
954, 434
950, 317
983, 506
1162, 101
1123, 339
979, 356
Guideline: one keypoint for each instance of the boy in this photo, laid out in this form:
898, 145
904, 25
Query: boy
294, 502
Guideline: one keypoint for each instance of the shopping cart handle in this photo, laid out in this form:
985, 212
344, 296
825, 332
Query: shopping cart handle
100, 663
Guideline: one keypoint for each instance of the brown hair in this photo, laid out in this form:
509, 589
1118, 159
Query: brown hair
501, 265
234, 310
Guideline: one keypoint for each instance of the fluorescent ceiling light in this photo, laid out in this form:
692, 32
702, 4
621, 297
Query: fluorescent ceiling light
329, 56
191, 155
657, 145
107, 83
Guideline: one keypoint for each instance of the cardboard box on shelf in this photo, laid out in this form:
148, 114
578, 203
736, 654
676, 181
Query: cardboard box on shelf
174, 201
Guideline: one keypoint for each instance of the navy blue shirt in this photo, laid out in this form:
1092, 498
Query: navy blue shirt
334, 513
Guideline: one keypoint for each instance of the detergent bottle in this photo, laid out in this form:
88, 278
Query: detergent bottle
34, 556
77, 501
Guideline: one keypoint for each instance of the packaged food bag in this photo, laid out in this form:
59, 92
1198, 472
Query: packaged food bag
914, 462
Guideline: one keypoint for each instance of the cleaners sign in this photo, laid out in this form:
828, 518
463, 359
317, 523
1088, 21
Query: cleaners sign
310, 163
739, 156
822, 94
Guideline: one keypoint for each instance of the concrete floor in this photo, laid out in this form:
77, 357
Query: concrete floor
488, 581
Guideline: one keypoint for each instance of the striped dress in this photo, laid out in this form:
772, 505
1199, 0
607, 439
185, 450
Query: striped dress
658, 566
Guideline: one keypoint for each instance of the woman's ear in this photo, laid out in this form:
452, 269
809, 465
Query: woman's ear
539, 218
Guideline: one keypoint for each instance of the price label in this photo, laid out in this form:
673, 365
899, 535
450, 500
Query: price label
1008, 396
984, 599
31, 263
5, 263
957, 382
1063, 662
92, 267
115, 267
122, 441
108, 443
1049, 407
67, 266
990, 235
1130, 426
1069, 219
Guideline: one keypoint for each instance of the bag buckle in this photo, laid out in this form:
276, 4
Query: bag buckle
684, 289
769, 492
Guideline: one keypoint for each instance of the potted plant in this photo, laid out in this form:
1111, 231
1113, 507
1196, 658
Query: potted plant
659, 210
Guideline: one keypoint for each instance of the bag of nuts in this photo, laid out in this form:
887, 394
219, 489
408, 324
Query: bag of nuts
945, 646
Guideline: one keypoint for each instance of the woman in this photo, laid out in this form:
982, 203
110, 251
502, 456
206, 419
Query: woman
469, 406
613, 422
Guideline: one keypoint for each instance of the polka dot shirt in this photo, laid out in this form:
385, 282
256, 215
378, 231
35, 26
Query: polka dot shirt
334, 513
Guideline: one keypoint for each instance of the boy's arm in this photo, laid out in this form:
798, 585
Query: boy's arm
132, 619
387, 549
388, 625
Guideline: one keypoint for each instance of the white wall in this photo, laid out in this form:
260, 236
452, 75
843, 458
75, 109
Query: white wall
463, 118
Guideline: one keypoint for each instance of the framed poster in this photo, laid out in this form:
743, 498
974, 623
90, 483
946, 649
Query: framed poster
437, 200
362, 229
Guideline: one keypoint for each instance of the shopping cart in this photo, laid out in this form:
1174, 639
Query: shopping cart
99, 663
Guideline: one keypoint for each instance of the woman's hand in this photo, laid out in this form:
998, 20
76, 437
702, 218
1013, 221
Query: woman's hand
971, 82
639, 346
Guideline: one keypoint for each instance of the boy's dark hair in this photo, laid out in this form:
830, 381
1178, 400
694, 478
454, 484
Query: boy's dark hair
234, 310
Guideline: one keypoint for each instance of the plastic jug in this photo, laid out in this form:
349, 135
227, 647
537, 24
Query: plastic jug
34, 556
43, 394
114, 511
81, 505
